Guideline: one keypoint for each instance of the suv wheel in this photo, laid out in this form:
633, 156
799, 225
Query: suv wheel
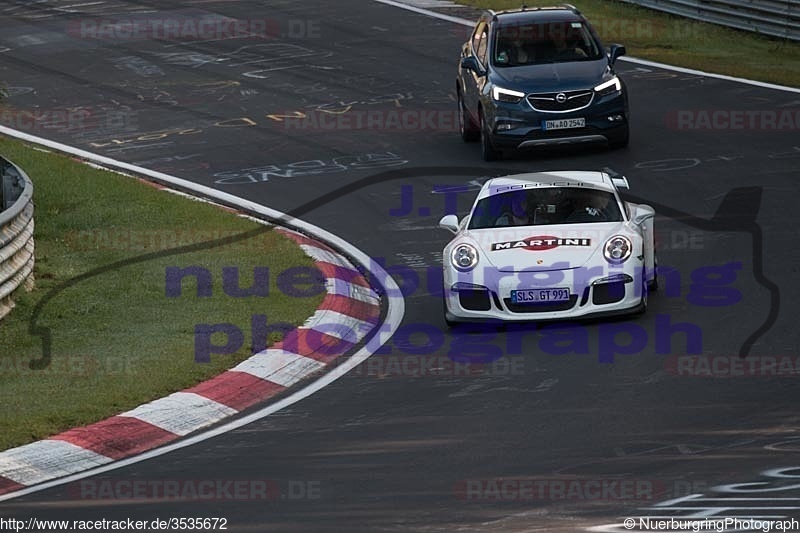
466, 126
488, 151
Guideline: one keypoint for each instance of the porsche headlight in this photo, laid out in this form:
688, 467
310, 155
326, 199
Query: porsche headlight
506, 95
464, 257
609, 87
617, 249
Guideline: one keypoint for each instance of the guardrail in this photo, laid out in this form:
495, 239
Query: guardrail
777, 18
16, 233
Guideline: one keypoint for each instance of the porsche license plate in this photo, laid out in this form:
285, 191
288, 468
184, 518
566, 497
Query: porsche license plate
563, 124
526, 296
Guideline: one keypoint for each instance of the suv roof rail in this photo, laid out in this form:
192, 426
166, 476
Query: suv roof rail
526, 7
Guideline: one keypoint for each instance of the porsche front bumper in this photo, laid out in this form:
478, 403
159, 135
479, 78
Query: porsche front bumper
472, 298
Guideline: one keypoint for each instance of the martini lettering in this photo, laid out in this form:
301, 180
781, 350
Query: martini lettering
540, 243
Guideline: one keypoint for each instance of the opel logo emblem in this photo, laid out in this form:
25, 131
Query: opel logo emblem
561, 98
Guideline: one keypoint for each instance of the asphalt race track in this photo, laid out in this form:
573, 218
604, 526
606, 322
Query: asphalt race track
343, 91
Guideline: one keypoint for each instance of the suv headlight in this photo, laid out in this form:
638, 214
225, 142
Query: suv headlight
609, 87
464, 257
506, 95
617, 249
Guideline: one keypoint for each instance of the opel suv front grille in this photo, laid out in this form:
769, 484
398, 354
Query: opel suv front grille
560, 102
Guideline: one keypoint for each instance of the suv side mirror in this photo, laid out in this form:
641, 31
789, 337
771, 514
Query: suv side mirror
471, 63
616, 51
449, 222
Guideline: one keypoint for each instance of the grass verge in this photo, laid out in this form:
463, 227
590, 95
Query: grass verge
118, 339
649, 34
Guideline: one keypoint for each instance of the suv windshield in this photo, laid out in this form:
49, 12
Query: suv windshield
545, 206
518, 44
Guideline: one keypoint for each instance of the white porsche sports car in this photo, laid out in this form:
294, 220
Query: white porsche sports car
549, 245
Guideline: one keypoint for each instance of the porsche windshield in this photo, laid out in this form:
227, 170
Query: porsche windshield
554, 42
545, 206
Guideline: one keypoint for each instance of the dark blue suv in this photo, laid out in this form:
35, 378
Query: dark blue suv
539, 77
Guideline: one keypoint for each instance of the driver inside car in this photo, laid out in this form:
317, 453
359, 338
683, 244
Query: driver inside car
513, 53
518, 215
591, 206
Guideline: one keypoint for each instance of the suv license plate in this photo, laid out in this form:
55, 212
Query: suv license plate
563, 124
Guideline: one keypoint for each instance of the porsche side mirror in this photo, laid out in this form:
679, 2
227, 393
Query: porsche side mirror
642, 213
449, 222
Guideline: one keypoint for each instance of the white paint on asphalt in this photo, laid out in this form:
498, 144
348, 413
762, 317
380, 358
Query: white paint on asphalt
717, 506
427, 12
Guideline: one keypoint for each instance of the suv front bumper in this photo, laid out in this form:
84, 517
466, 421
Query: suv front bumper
520, 127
